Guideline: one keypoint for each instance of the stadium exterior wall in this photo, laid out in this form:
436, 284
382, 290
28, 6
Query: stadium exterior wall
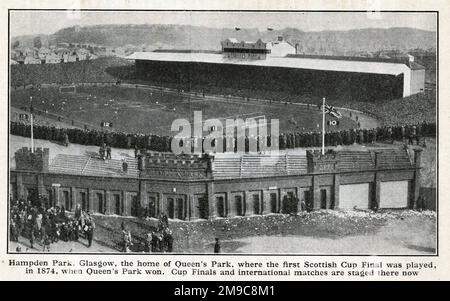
190, 198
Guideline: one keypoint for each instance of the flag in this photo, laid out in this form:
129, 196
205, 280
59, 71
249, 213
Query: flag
332, 111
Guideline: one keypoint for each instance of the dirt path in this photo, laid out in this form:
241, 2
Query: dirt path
398, 237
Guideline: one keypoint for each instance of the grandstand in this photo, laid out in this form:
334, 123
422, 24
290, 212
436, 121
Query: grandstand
335, 77
189, 187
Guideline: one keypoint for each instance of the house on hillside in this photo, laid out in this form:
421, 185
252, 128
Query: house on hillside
109, 51
91, 56
30, 60
13, 54
82, 54
65, 54
62, 52
280, 47
26, 52
13, 62
43, 52
52, 59
20, 59
71, 57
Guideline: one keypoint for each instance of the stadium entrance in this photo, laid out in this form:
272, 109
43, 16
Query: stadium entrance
176, 207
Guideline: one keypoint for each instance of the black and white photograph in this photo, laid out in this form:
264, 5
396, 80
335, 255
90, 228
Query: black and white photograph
232, 132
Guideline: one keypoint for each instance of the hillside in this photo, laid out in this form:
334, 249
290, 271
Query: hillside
199, 37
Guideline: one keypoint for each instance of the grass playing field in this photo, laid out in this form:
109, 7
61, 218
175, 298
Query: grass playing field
153, 111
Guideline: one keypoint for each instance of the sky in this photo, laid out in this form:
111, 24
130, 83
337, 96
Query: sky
48, 22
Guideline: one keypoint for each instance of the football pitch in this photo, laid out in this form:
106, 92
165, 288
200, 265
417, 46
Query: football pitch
138, 110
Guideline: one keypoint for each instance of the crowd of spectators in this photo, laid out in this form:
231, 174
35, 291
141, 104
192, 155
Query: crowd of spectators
44, 225
413, 109
159, 240
163, 143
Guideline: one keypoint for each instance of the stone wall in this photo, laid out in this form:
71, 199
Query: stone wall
35, 161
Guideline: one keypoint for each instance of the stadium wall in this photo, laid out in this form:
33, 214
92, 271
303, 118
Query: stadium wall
203, 196
317, 83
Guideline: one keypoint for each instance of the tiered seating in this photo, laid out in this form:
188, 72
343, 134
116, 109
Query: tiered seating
297, 164
113, 168
394, 159
226, 167
68, 164
263, 166
248, 166
92, 166
355, 160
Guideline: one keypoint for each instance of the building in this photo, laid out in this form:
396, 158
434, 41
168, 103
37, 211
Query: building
281, 48
14, 54
26, 51
91, 56
189, 187
63, 52
234, 49
82, 54
71, 57
52, 59
43, 52
31, 60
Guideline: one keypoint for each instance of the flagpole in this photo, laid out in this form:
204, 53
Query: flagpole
323, 127
31, 122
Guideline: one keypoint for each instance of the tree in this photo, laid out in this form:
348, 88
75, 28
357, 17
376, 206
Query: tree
16, 44
37, 43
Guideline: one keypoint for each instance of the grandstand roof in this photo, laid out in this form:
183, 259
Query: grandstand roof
313, 63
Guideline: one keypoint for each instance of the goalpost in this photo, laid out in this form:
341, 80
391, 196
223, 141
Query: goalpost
257, 120
68, 89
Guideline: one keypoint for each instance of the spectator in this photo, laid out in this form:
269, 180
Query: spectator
217, 246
